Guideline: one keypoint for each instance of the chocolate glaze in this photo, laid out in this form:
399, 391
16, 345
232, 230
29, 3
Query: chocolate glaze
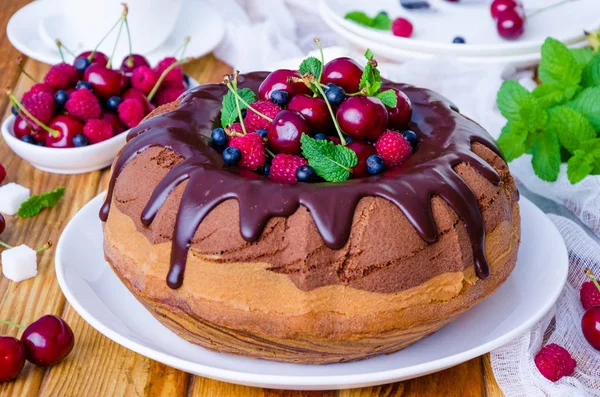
445, 139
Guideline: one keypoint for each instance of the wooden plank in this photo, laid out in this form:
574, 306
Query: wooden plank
491, 386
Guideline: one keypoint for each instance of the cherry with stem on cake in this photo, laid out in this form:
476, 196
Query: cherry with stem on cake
343, 72
314, 109
590, 322
400, 115
12, 358
286, 130
362, 117
279, 80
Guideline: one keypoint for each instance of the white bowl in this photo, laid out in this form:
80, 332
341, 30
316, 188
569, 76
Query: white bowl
64, 161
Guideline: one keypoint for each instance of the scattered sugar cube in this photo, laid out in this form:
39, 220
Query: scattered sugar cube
19, 263
12, 195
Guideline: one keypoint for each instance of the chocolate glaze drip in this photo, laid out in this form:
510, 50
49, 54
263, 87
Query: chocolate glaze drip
445, 139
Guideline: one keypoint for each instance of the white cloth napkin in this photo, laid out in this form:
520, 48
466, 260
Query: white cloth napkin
263, 34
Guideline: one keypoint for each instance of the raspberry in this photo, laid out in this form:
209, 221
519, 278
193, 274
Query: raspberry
131, 112
61, 75
167, 95
393, 148
114, 121
38, 87
589, 293
235, 127
97, 130
144, 79
554, 362
41, 105
284, 167
254, 122
175, 77
402, 27
139, 96
83, 105
253, 150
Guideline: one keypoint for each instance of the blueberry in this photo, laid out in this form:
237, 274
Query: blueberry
320, 137
459, 40
61, 97
80, 140
279, 97
335, 94
411, 137
263, 133
305, 173
455, 108
14, 111
232, 155
349, 139
219, 137
28, 139
244, 111
267, 168
83, 84
374, 164
186, 80
81, 64
415, 4
40, 143
113, 103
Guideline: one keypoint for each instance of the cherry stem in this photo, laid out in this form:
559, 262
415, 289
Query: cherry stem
6, 322
18, 104
162, 77
335, 123
322, 59
182, 48
239, 98
358, 93
591, 276
22, 69
125, 11
3, 244
551, 6
62, 46
62, 56
109, 64
269, 151
44, 247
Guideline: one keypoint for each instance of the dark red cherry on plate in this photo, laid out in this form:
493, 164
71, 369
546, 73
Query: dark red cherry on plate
314, 110
12, 358
285, 131
67, 128
511, 24
47, 341
590, 325
105, 82
277, 80
362, 117
21, 128
343, 72
363, 150
99, 57
399, 116
131, 62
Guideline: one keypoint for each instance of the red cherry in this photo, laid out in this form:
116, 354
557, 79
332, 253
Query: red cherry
2, 223
105, 82
285, 131
500, 6
48, 340
277, 80
511, 24
130, 63
400, 116
114, 120
402, 27
138, 95
99, 57
12, 358
363, 150
362, 117
314, 110
343, 72
67, 128
21, 128
590, 325
40, 136
2, 176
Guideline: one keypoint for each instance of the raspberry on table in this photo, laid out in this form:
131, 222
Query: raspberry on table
61, 76
393, 148
254, 122
284, 167
97, 130
554, 362
84, 105
253, 150
131, 112
144, 79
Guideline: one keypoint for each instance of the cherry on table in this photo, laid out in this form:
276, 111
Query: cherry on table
362, 117
285, 131
344, 72
105, 82
47, 341
278, 80
363, 151
399, 116
67, 128
12, 358
314, 109
590, 325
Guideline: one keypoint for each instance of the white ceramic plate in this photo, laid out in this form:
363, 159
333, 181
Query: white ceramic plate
33, 29
96, 293
383, 50
434, 31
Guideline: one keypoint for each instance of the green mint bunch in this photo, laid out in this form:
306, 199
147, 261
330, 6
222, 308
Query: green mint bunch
559, 120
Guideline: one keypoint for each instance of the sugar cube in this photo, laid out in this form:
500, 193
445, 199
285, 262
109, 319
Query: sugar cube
12, 195
19, 263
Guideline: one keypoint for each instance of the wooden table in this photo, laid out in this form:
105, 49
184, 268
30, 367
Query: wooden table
97, 366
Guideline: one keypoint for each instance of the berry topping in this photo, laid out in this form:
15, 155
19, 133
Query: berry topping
256, 122
80, 140
459, 40
411, 137
305, 173
402, 27
320, 137
113, 103
167, 94
97, 130
252, 150
393, 148
131, 112
174, 78
67, 127
375, 164
314, 110
363, 151
61, 76
47, 341
554, 362
143, 79
232, 155
286, 130
278, 80
219, 137
83, 105
335, 95
61, 97
12, 358
400, 115
284, 168
280, 97
343, 72
362, 117
83, 85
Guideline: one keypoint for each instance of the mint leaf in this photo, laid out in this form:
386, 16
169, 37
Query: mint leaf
35, 204
588, 104
571, 127
369, 54
359, 17
512, 140
229, 113
388, 98
311, 65
579, 166
558, 65
331, 162
546, 155
591, 73
370, 81
517, 104
583, 56
381, 21
548, 95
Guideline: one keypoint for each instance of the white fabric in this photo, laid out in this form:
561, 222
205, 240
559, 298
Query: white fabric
263, 34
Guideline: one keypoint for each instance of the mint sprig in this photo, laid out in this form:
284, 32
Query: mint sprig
380, 21
330, 161
229, 112
34, 204
370, 82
